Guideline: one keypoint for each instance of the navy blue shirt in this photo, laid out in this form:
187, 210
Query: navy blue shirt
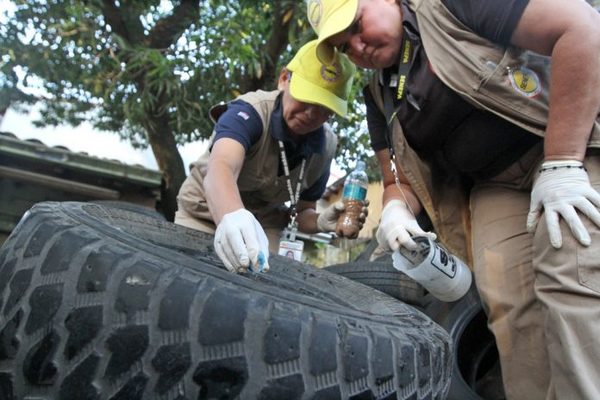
242, 123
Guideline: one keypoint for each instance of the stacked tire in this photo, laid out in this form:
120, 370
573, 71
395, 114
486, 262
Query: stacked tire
476, 373
103, 303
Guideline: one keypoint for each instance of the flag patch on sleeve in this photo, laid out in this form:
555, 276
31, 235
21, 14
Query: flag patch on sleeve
243, 115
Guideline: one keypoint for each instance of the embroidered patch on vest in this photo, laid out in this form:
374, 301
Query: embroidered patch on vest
525, 81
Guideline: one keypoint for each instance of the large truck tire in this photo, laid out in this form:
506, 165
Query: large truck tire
476, 373
381, 275
124, 205
101, 303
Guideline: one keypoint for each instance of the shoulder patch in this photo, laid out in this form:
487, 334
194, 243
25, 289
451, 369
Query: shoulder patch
244, 115
525, 81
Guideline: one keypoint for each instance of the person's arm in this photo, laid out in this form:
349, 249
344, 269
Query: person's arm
569, 32
400, 206
220, 184
307, 216
240, 241
390, 189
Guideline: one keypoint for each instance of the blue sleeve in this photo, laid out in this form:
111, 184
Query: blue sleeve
314, 192
494, 20
241, 123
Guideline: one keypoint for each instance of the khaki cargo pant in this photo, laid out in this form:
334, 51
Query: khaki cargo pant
543, 305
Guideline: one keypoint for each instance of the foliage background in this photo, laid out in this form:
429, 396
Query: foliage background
149, 70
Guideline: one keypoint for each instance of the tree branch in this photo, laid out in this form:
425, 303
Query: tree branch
283, 16
112, 16
169, 29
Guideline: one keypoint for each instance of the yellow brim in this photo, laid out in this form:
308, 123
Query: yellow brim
332, 26
307, 92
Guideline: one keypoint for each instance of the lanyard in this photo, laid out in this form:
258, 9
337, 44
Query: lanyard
400, 79
293, 196
404, 67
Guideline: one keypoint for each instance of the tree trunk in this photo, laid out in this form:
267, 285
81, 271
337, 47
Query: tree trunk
125, 22
169, 162
283, 16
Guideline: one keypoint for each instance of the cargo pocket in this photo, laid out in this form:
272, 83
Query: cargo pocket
588, 258
588, 267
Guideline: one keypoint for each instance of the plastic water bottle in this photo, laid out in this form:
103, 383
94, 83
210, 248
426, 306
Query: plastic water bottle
444, 275
353, 196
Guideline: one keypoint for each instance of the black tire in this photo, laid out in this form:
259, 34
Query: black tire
384, 277
123, 205
476, 373
101, 303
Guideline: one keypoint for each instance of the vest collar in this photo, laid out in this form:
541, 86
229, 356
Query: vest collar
409, 21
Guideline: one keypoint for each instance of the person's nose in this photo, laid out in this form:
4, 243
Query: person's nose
310, 112
356, 45
314, 111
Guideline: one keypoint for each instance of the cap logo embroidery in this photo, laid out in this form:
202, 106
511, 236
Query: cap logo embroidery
331, 73
525, 81
315, 9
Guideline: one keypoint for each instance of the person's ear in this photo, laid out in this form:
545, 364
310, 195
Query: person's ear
284, 79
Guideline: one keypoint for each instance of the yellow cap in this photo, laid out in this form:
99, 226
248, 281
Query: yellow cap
315, 83
328, 18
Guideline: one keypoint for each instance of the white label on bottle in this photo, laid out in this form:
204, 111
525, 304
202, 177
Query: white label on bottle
443, 261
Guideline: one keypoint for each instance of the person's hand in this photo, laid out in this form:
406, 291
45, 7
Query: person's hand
327, 220
562, 189
241, 243
397, 226
364, 212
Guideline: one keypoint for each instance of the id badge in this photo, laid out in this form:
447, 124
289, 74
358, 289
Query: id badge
289, 246
291, 249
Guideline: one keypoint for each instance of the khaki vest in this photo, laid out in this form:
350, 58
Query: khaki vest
478, 70
262, 191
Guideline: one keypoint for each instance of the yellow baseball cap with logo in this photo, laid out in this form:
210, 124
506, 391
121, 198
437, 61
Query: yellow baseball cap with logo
328, 18
313, 82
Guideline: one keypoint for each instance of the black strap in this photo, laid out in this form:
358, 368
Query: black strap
388, 102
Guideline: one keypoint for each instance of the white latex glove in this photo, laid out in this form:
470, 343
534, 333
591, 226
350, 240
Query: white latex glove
562, 189
397, 227
241, 242
328, 219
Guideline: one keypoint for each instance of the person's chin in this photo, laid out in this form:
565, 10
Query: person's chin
299, 129
383, 61
373, 62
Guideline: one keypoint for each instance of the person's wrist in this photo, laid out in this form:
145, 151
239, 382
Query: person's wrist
394, 203
553, 165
